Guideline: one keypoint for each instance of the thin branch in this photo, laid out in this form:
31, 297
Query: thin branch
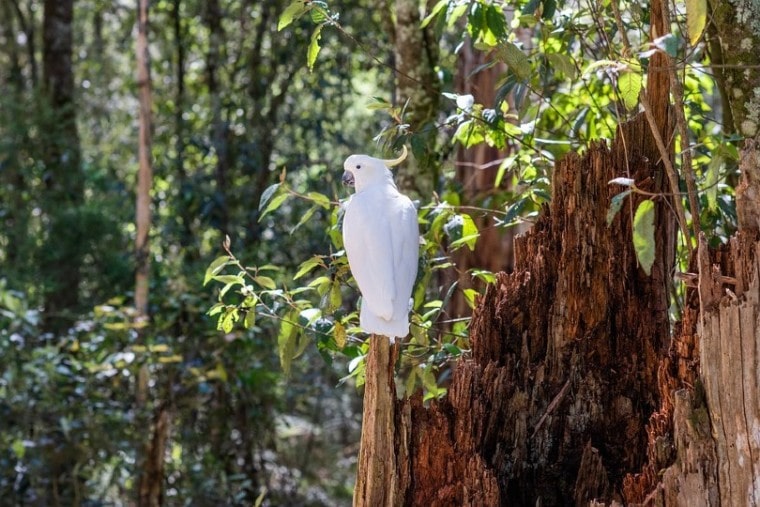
686, 163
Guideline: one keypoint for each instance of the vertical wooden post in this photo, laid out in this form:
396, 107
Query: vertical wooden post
376, 476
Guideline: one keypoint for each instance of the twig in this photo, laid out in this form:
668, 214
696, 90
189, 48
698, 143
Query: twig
686, 165
669, 169
551, 407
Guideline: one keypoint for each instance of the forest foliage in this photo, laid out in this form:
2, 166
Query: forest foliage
253, 343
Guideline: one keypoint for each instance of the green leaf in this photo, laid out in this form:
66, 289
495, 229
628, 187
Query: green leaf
615, 204
215, 267
291, 13
307, 266
563, 63
250, 318
266, 282
696, 18
469, 296
313, 51
711, 181
286, 341
217, 308
514, 57
629, 85
18, 448
643, 235
231, 279
434, 12
339, 334
267, 194
456, 13
273, 205
336, 298
319, 199
227, 320
304, 218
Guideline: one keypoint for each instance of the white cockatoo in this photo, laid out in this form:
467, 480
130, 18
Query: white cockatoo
381, 238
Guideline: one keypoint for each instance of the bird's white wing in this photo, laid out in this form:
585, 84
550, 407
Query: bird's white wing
368, 243
406, 247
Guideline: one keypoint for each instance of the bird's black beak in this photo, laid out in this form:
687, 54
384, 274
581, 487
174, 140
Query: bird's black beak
348, 179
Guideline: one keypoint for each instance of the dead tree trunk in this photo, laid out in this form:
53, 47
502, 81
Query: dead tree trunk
552, 406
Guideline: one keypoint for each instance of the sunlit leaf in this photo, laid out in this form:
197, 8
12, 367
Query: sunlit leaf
696, 18
515, 58
314, 47
307, 266
215, 267
711, 181
275, 203
266, 282
292, 12
643, 235
629, 86
339, 335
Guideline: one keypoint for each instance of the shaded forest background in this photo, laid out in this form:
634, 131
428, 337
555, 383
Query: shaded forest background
250, 125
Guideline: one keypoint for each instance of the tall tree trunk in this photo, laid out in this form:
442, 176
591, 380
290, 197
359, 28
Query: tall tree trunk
218, 125
150, 453
64, 180
145, 169
416, 58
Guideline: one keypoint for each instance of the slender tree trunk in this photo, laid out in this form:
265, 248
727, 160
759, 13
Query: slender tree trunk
145, 170
150, 454
416, 58
64, 181
218, 125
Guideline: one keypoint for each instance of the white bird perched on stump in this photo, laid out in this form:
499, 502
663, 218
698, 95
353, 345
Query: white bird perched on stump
381, 238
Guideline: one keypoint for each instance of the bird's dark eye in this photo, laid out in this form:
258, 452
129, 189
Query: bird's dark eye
358, 166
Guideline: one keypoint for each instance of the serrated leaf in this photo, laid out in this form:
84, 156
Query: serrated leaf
615, 204
215, 267
314, 47
514, 57
643, 235
273, 205
267, 194
291, 13
696, 18
629, 86
265, 281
